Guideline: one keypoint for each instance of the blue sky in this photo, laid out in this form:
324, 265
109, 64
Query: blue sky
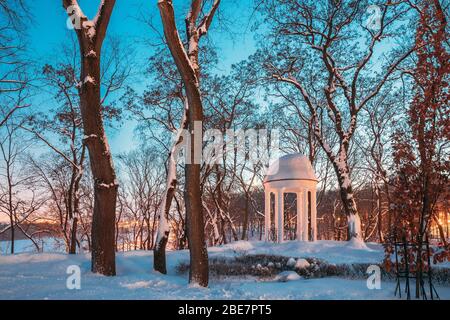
48, 32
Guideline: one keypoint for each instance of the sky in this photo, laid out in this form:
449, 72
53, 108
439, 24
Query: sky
231, 33
48, 32
233, 38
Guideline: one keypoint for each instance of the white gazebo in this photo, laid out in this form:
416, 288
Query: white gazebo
292, 173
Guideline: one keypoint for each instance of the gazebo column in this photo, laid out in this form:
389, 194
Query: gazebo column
313, 215
275, 213
267, 216
299, 216
305, 216
280, 218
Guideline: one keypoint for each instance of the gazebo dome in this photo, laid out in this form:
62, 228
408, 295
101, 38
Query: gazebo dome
290, 167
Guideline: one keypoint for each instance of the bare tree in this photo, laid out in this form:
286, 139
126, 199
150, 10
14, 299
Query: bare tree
159, 257
91, 34
161, 106
14, 77
343, 80
230, 110
13, 14
382, 114
187, 62
19, 197
142, 195
60, 129
66, 125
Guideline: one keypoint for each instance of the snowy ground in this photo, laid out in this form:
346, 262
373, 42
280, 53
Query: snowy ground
43, 276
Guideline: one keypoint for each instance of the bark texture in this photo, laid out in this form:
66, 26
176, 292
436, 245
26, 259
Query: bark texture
187, 62
91, 34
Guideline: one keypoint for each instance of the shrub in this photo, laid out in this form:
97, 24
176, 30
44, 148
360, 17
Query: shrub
267, 267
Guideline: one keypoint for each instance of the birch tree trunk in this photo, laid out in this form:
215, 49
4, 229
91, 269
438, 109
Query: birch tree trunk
91, 34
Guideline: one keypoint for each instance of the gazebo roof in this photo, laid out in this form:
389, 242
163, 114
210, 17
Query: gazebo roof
290, 167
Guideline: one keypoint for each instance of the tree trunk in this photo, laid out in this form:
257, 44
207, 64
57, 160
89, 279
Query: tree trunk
245, 224
192, 194
159, 252
10, 204
11, 219
223, 230
380, 215
105, 184
347, 198
73, 206
73, 237
353, 220
188, 66
441, 230
91, 34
